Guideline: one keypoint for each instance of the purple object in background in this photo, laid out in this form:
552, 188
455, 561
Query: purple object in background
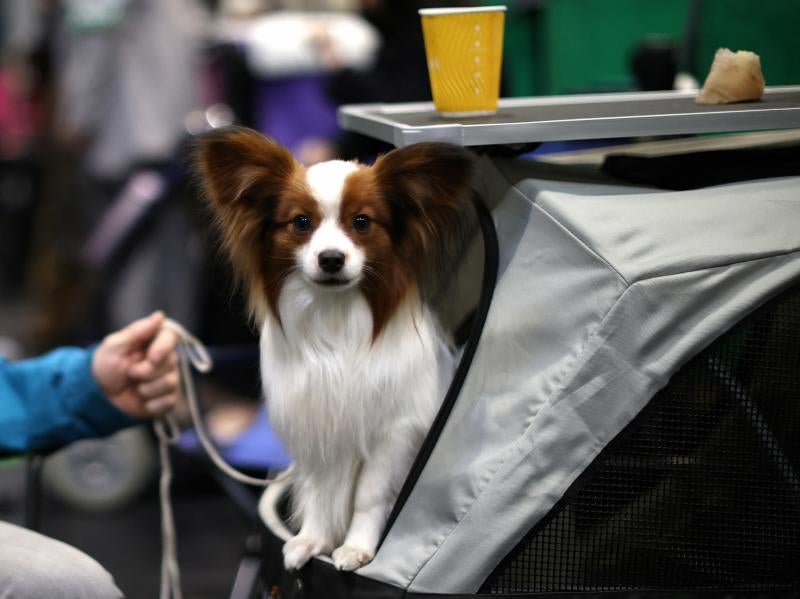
256, 448
294, 109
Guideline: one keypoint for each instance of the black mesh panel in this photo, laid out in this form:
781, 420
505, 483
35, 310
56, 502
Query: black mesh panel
701, 491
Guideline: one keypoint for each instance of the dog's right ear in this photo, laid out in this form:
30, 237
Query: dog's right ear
239, 167
243, 174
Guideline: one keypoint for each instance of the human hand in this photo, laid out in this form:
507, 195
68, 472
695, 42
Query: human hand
136, 367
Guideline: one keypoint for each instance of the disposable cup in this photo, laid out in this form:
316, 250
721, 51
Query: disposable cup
464, 48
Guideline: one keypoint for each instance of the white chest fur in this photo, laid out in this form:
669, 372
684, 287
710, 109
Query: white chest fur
332, 393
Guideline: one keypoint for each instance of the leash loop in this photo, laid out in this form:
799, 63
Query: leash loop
191, 353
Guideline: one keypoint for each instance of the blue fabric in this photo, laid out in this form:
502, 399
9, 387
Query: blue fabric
51, 400
255, 448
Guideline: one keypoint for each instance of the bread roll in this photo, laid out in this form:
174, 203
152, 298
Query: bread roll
734, 77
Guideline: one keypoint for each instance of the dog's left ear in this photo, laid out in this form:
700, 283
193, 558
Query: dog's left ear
429, 182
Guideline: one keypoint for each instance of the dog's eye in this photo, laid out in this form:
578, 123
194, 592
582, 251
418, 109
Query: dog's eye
361, 223
301, 223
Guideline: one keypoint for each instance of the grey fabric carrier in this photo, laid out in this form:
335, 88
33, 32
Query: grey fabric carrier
603, 292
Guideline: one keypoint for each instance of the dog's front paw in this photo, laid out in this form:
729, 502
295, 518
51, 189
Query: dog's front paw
348, 557
298, 550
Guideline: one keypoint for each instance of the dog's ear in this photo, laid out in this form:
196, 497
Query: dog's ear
242, 175
239, 167
428, 186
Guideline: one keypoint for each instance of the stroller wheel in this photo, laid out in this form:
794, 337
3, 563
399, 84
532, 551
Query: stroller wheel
102, 474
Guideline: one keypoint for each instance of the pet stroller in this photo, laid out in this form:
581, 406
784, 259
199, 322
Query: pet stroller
625, 419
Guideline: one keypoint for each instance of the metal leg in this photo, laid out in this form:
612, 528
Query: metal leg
33, 492
247, 583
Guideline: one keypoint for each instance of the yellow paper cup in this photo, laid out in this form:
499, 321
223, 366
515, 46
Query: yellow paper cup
464, 47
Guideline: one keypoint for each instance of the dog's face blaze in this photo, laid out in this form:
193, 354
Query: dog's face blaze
341, 225
331, 243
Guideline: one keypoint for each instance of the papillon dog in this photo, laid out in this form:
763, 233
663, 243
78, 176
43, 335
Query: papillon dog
353, 361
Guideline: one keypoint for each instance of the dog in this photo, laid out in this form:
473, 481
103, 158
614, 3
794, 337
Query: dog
353, 360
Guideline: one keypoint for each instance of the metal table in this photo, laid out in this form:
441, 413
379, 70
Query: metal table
554, 118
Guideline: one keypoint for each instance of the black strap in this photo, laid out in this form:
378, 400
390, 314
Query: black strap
490, 266
33, 491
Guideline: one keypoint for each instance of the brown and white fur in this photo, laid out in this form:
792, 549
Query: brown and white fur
352, 359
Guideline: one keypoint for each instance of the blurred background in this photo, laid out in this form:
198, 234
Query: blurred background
100, 222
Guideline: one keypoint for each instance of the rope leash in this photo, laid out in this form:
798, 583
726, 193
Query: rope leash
191, 352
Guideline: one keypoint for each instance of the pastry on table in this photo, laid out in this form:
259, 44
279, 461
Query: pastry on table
734, 77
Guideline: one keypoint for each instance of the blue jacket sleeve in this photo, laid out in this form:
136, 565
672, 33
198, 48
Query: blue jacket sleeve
52, 400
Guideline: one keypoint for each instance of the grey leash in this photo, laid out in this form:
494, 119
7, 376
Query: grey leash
191, 352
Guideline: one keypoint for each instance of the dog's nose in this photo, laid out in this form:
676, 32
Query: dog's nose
331, 261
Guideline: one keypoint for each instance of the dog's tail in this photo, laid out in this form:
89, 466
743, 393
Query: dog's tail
268, 505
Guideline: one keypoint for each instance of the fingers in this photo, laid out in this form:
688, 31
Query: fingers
167, 384
162, 346
155, 375
137, 367
160, 358
161, 405
138, 334
157, 384
159, 395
